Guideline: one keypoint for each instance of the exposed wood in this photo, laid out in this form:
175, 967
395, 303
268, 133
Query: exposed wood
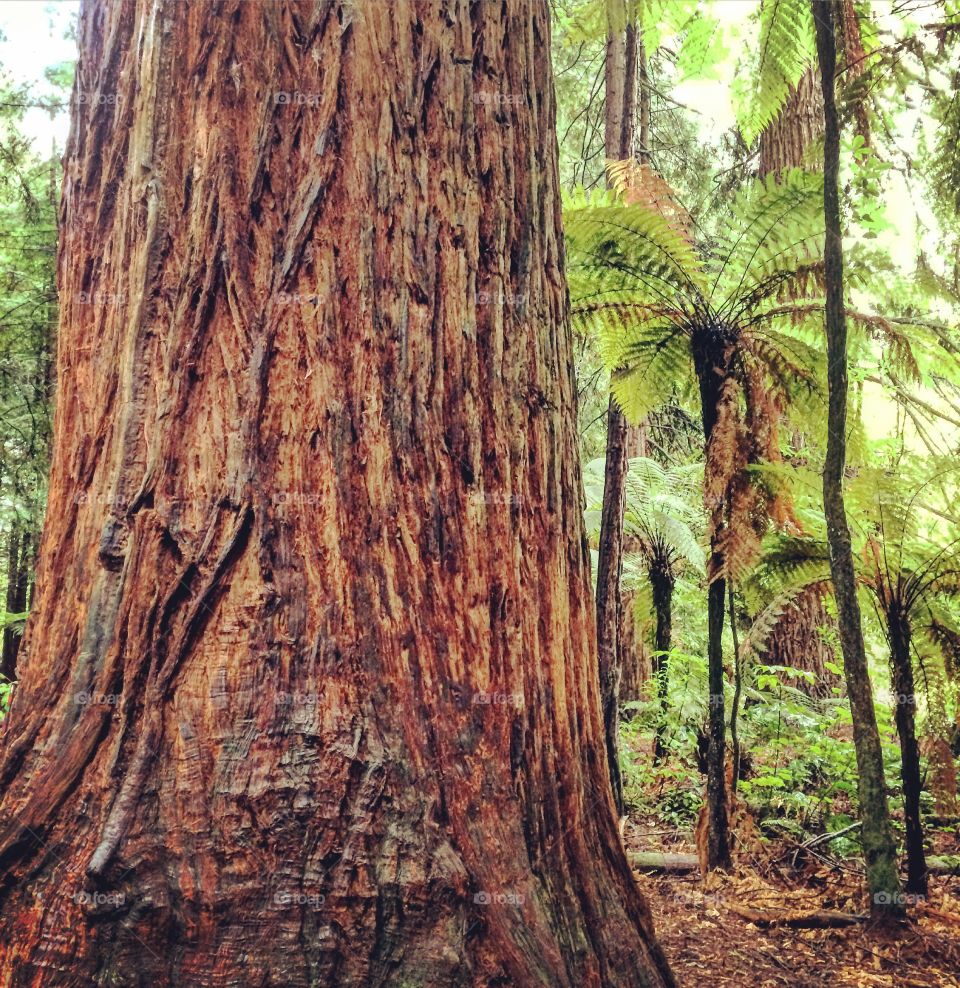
654, 861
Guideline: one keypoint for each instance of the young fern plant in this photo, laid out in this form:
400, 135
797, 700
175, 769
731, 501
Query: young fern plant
907, 567
662, 528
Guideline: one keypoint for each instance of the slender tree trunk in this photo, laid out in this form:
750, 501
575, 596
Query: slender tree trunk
609, 602
308, 694
661, 586
737, 689
620, 86
8, 653
718, 837
877, 836
796, 641
711, 358
905, 715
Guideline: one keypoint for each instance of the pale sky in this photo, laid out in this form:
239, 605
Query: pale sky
33, 38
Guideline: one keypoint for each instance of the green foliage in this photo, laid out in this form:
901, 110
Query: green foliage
644, 288
653, 273
785, 48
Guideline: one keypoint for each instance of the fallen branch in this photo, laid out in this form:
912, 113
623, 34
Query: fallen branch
812, 842
820, 920
655, 861
821, 838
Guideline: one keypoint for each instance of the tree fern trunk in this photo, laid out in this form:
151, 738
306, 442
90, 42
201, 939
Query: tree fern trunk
905, 716
712, 354
308, 694
661, 586
878, 844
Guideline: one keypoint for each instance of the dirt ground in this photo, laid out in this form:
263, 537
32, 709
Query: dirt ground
710, 941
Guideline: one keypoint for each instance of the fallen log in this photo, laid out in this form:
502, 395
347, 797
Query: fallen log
947, 864
820, 920
655, 861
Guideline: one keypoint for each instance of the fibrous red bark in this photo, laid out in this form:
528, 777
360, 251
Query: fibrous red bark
309, 688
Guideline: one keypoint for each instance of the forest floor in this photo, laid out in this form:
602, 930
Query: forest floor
709, 938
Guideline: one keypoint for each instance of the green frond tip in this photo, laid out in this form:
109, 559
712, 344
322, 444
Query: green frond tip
775, 233
784, 51
633, 247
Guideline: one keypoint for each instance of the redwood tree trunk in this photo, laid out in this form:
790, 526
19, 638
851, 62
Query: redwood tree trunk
785, 142
796, 641
309, 692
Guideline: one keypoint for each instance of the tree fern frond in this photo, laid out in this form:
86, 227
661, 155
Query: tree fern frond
637, 245
645, 369
775, 227
785, 49
767, 620
640, 185
792, 563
